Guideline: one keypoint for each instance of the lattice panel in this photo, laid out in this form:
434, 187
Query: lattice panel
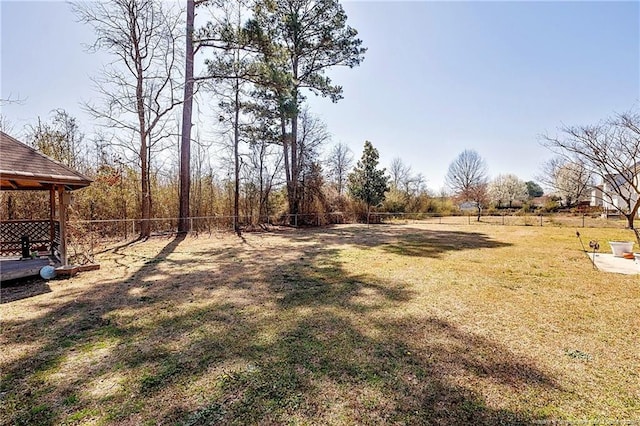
38, 231
55, 244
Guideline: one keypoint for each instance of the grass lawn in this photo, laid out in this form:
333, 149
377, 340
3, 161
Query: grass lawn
387, 324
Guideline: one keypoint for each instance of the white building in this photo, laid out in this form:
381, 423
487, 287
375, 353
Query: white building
615, 190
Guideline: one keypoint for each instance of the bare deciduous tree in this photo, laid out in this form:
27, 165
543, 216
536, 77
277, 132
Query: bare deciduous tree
265, 160
339, 163
312, 135
611, 151
467, 178
6, 125
138, 89
60, 139
403, 179
399, 173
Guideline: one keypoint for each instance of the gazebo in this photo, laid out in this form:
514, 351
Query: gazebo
23, 168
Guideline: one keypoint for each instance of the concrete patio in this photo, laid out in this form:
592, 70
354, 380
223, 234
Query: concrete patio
607, 262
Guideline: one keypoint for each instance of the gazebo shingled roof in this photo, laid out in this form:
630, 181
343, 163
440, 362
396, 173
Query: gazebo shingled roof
24, 168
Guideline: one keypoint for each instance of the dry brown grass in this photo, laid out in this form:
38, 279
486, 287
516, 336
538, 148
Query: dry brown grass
396, 324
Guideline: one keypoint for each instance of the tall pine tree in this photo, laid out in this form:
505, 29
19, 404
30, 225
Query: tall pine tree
299, 41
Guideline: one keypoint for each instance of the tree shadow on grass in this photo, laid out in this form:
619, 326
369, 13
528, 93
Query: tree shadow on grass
434, 244
403, 240
58, 334
11, 291
327, 362
343, 361
266, 342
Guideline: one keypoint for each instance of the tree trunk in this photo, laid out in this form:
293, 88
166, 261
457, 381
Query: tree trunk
236, 155
145, 205
262, 208
630, 224
287, 163
285, 146
185, 147
145, 202
294, 206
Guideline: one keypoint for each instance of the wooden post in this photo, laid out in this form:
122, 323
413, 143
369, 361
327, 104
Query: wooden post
62, 217
52, 214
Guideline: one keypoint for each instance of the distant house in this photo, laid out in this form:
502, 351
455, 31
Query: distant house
596, 197
614, 191
468, 207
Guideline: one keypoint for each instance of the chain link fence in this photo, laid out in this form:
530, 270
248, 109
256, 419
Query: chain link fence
87, 237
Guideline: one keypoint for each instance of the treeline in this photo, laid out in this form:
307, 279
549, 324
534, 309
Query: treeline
334, 187
115, 194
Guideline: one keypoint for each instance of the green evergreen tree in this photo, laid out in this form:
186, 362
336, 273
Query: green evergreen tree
368, 183
533, 189
300, 40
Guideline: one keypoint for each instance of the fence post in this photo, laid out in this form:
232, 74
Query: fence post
191, 224
133, 227
91, 238
540, 219
583, 216
295, 220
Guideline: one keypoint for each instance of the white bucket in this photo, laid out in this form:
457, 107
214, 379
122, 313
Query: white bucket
620, 247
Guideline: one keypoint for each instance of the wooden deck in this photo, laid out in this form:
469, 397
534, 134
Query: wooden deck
13, 268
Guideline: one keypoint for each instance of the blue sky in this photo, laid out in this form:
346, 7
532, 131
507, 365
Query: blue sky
438, 78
